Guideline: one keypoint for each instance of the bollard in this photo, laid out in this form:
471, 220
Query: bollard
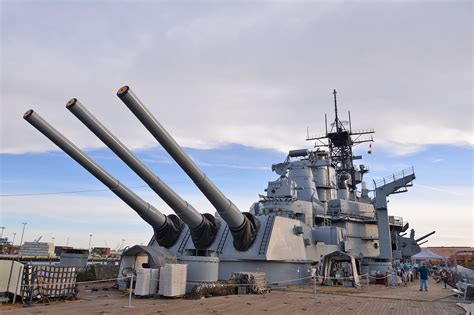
130, 293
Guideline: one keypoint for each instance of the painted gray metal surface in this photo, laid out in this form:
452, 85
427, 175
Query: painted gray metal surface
201, 268
390, 186
277, 273
149, 213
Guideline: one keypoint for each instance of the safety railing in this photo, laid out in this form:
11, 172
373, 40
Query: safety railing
394, 177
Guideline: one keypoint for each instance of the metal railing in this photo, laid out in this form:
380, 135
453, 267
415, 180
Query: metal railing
363, 131
361, 215
394, 177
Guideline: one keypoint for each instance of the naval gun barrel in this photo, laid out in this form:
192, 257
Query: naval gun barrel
203, 228
243, 226
166, 228
425, 236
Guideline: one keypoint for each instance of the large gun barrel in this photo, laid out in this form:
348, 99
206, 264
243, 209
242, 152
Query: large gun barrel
425, 236
243, 226
166, 228
203, 228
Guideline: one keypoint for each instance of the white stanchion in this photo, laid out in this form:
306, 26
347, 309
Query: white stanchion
314, 283
130, 293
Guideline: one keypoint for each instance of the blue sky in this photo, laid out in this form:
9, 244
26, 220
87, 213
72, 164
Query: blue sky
237, 85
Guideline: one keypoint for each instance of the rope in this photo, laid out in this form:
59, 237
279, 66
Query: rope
41, 282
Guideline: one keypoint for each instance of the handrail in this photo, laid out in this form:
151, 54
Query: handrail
363, 131
389, 179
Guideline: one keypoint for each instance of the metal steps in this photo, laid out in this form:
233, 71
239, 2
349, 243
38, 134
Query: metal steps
266, 235
220, 246
184, 241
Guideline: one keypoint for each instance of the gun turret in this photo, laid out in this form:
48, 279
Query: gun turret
243, 226
166, 228
203, 228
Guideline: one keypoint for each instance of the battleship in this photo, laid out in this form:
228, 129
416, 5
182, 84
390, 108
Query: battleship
317, 214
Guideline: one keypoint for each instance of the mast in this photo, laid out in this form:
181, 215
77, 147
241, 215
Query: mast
340, 141
334, 92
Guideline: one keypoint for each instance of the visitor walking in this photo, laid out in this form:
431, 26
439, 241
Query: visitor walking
404, 277
406, 273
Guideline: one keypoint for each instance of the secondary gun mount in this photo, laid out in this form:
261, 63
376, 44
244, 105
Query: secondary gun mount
243, 226
203, 228
166, 228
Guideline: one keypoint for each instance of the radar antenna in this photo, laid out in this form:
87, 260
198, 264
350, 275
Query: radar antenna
340, 139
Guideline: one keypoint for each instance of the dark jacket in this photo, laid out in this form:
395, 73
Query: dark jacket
424, 271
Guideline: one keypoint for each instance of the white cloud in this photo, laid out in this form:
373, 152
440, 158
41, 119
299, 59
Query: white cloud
410, 138
448, 190
444, 209
253, 74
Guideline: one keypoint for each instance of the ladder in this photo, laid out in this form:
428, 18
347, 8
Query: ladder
220, 246
184, 241
266, 235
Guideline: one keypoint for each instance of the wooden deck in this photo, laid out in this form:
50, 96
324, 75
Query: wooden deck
376, 299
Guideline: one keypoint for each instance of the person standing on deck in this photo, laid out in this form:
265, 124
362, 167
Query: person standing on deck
424, 271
